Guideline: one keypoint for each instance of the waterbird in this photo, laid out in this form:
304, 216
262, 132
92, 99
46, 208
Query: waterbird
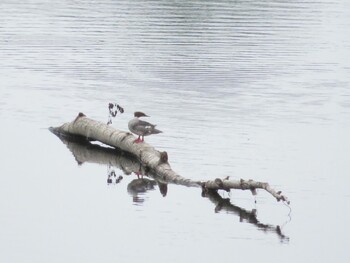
140, 127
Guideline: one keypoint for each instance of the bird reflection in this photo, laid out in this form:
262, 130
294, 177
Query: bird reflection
138, 187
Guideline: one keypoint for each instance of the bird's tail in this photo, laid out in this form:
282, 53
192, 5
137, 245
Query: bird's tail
156, 131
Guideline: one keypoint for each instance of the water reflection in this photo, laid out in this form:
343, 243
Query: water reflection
112, 175
225, 204
259, 69
138, 187
84, 151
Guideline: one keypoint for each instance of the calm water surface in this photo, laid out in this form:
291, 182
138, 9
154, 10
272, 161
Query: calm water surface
246, 89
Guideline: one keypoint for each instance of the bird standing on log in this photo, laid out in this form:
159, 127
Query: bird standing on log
141, 128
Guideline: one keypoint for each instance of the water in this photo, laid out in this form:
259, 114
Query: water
246, 89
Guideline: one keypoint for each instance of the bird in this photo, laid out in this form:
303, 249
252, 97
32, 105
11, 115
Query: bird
140, 127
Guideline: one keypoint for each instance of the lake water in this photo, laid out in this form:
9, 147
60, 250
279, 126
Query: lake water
247, 89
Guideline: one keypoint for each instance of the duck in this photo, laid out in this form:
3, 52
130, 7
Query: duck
140, 127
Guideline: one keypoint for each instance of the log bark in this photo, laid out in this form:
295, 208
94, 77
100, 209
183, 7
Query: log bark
155, 161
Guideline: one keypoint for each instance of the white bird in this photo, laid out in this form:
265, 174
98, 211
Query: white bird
141, 128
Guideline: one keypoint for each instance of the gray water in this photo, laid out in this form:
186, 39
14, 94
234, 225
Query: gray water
247, 89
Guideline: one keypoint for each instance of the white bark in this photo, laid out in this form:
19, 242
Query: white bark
252, 185
151, 158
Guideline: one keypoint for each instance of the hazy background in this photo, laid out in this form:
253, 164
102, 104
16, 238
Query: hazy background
247, 89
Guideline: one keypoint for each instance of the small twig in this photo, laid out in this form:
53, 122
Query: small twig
113, 109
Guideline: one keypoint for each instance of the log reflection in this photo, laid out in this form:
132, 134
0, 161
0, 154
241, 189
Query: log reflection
86, 152
224, 204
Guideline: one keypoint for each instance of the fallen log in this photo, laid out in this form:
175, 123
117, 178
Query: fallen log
85, 128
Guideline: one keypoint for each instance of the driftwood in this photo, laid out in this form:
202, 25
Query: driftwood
155, 161
86, 152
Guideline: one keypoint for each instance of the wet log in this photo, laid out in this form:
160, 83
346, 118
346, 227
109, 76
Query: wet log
85, 128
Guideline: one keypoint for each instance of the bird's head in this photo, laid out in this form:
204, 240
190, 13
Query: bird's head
139, 114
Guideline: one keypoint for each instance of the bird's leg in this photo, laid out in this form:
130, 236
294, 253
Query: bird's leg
138, 140
142, 138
